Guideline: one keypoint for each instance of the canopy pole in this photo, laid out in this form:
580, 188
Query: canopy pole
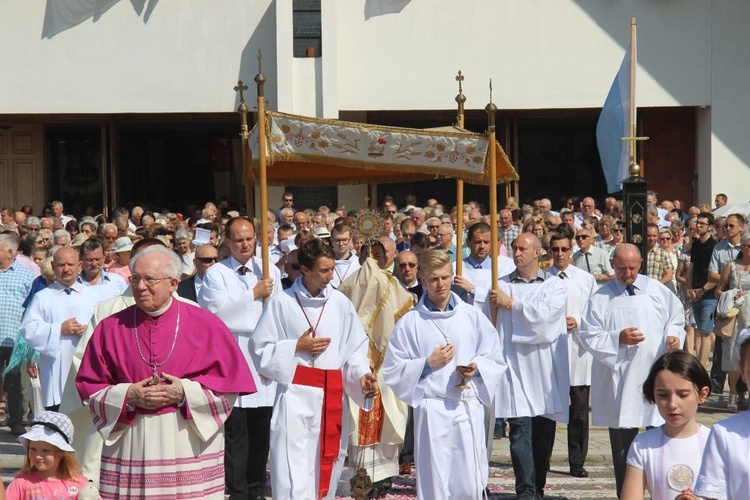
460, 99
491, 109
262, 145
245, 134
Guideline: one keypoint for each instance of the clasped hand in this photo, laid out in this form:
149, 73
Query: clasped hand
153, 397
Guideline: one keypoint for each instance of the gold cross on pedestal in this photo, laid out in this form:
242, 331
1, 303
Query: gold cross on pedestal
635, 168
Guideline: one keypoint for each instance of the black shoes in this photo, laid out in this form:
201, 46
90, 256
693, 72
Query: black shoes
578, 471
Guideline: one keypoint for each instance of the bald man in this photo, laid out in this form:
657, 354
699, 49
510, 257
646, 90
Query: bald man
628, 323
533, 395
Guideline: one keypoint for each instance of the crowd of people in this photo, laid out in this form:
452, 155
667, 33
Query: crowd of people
183, 366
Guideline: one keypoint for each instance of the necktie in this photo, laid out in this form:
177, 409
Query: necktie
242, 270
631, 290
588, 266
562, 275
68, 291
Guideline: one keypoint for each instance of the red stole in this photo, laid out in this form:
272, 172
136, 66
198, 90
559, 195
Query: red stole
330, 428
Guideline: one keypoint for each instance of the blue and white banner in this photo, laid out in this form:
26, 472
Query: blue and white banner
612, 125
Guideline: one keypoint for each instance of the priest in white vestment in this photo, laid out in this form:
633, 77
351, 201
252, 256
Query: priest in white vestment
421, 366
533, 395
628, 323
54, 322
580, 286
310, 342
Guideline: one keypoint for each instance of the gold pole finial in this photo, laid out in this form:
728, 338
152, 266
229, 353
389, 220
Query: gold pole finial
460, 98
259, 78
242, 109
491, 108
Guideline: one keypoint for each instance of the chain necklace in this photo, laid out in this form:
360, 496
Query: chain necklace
445, 336
155, 379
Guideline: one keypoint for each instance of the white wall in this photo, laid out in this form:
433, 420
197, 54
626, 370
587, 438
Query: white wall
730, 113
539, 53
186, 58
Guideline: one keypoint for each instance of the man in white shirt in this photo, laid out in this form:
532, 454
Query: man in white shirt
55, 320
580, 286
235, 289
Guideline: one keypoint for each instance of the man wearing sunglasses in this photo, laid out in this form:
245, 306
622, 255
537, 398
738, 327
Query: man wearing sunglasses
592, 259
205, 257
580, 286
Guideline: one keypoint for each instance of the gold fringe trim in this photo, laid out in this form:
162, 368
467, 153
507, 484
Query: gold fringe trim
428, 172
405, 308
378, 310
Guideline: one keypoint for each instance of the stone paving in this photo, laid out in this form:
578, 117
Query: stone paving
560, 485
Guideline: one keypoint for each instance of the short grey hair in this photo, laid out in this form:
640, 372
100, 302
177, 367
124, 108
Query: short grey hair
9, 242
60, 236
182, 234
173, 269
286, 211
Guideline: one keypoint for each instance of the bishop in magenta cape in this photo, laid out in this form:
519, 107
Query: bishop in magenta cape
176, 451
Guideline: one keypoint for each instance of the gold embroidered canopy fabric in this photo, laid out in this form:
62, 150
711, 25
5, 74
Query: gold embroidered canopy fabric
320, 151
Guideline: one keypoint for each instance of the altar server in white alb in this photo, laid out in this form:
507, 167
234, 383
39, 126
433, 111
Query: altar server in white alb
310, 342
580, 286
347, 261
421, 366
234, 290
724, 473
55, 321
533, 393
627, 325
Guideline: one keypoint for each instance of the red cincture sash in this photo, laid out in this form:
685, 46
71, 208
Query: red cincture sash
330, 426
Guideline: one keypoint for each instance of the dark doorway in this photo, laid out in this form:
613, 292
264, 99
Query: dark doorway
558, 157
75, 167
168, 165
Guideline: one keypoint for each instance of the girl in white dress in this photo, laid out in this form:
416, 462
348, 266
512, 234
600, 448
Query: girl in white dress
725, 471
665, 460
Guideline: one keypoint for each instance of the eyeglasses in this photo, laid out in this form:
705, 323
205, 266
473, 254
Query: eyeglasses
410, 265
559, 249
391, 212
296, 267
289, 199
668, 238
136, 280
581, 237
731, 225
342, 241
617, 230
206, 260
44, 240
701, 223
434, 227
407, 235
